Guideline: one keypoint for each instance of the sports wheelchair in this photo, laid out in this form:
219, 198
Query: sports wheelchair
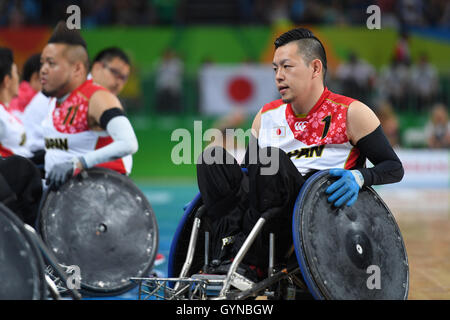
352, 252
101, 222
98, 223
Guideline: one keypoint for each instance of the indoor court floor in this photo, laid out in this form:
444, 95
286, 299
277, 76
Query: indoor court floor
424, 220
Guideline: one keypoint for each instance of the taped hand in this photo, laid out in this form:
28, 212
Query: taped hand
345, 190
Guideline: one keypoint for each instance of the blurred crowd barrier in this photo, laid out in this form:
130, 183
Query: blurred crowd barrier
425, 169
425, 187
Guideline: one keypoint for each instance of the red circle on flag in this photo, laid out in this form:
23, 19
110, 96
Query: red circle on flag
240, 89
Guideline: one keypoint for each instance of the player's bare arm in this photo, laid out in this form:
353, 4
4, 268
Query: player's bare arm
100, 102
361, 121
106, 114
256, 124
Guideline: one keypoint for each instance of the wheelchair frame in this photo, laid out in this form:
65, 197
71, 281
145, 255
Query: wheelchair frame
232, 286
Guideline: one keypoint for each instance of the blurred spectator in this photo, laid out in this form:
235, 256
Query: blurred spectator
138, 12
356, 10
437, 130
97, 13
313, 13
387, 8
253, 11
169, 80
394, 82
297, 10
433, 12
166, 10
357, 77
16, 13
334, 13
389, 123
402, 52
425, 82
445, 19
411, 12
278, 11
132, 12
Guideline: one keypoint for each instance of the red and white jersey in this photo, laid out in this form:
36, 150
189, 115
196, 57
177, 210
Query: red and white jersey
67, 133
35, 112
14, 138
315, 141
18, 104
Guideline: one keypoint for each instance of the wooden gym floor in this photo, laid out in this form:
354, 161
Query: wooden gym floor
424, 220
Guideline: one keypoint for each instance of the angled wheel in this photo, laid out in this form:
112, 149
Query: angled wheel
101, 222
352, 252
21, 264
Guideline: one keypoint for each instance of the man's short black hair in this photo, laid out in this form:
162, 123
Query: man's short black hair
6, 62
73, 39
32, 65
110, 53
309, 45
64, 35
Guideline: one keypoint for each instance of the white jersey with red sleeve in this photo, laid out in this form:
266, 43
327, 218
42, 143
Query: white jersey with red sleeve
14, 138
315, 141
67, 133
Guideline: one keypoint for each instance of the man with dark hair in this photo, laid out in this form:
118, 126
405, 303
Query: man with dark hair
310, 47
30, 106
111, 69
20, 182
29, 86
36, 106
12, 132
86, 116
308, 129
30, 71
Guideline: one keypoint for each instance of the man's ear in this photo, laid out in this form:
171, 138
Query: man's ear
6, 82
80, 68
317, 68
96, 66
35, 81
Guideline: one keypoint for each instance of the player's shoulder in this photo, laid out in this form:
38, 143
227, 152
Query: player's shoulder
272, 105
89, 87
359, 110
361, 120
358, 113
340, 99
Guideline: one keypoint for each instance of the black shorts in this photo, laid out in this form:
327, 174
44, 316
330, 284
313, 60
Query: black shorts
236, 200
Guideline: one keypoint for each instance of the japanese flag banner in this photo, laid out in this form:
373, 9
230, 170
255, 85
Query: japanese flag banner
223, 88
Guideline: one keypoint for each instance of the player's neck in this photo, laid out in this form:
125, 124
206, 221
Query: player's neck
69, 88
5, 97
304, 106
75, 84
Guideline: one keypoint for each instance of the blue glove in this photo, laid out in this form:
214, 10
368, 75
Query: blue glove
345, 190
61, 172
